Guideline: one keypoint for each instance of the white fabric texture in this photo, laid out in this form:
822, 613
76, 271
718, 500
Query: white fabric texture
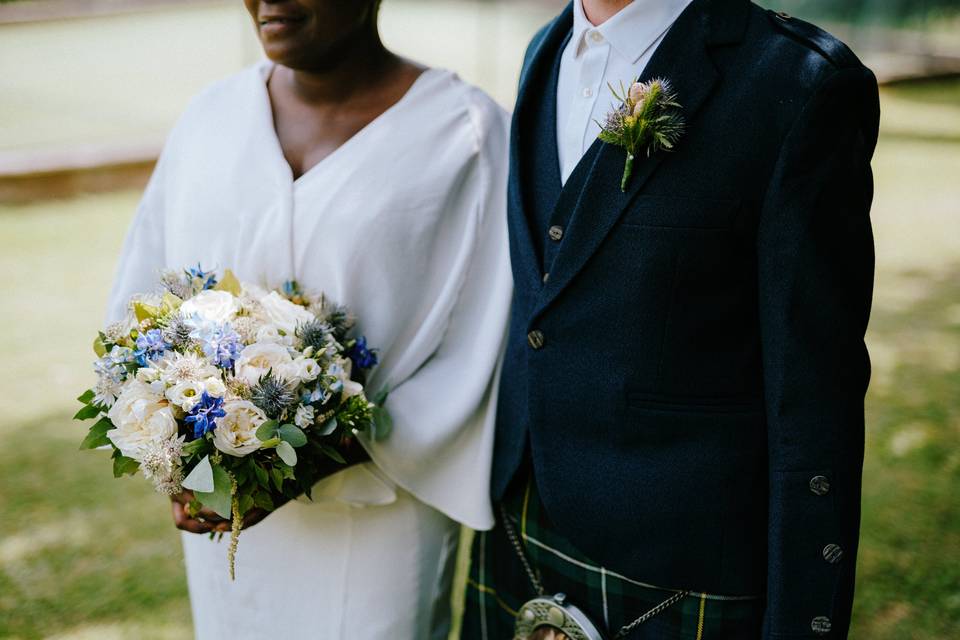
328, 571
598, 56
406, 225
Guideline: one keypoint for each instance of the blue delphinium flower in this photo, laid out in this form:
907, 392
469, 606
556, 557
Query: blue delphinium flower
361, 356
207, 278
204, 415
150, 346
220, 343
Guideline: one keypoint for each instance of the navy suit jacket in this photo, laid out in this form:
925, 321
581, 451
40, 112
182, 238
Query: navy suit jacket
688, 383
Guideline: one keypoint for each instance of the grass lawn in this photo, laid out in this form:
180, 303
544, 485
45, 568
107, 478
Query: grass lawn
83, 555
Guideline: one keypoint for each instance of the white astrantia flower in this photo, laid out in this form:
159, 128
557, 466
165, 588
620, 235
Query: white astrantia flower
256, 360
211, 306
283, 313
186, 394
182, 367
305, 416
106, 391
141, 419
236, 432
247, 328
118, 331
161, 462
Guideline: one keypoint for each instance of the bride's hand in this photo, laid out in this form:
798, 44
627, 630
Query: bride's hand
203, 521
206, 520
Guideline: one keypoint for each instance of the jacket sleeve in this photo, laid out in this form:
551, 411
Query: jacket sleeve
815, 263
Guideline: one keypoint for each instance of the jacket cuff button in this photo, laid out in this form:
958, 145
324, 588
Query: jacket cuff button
819, 485
832, 553
820, 625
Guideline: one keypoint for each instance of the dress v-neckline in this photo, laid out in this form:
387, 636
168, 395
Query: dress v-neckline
264, 75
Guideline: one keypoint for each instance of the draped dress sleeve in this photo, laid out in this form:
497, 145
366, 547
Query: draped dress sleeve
440, 449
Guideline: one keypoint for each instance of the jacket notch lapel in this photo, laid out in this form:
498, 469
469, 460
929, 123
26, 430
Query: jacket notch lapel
684, 59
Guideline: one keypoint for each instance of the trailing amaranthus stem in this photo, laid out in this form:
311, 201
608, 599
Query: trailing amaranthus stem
236, 525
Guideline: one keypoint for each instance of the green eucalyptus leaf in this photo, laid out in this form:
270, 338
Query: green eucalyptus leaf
123, 466
200, 477
263, 500
267, 430
97, 436
88, 412
293, 434
98, 347
246, 503
329, 427
276, 475
287, 453
195, 446
262, 477
333, 453
220, 499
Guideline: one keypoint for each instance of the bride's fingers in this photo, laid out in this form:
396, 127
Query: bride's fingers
185, 523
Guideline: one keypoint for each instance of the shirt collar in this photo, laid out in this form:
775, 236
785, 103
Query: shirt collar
632, 30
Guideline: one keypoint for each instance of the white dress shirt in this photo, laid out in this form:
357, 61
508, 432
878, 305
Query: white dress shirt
614, 52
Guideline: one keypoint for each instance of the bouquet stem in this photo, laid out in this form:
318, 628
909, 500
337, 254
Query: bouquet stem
236, 524
627, 172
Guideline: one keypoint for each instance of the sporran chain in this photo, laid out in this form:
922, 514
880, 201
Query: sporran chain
540, 591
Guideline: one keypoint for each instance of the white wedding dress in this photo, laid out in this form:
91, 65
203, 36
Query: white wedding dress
405, 223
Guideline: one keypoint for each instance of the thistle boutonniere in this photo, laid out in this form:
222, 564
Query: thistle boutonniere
647, 120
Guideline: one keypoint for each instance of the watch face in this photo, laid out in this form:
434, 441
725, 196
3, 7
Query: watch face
553, 619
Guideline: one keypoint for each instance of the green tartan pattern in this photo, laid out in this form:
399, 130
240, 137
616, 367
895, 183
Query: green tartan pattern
498, 586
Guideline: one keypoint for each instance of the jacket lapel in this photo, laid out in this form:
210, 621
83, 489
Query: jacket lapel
533, 143
593, 190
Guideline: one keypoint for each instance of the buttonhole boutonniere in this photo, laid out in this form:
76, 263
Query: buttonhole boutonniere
646, 121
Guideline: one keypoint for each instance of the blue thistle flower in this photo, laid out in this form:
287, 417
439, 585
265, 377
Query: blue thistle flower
150, 346
362, 357
204, 415
207, 278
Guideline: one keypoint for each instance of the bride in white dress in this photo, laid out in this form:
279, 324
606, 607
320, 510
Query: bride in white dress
382, 184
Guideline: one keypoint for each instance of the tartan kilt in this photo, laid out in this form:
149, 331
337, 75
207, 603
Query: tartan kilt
498, 586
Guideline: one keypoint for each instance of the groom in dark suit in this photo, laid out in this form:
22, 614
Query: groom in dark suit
680, 427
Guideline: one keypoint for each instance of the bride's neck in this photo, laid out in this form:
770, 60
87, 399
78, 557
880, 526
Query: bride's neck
599, 11
358, 65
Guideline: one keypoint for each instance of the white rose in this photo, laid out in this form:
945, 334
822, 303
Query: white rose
270, 333
214, 387
185, 394
307, 369
141, 419
236, 432
211, 306
300, 370
283, 313
259, 358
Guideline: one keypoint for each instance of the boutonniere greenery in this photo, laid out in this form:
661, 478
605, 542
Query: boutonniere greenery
647, 120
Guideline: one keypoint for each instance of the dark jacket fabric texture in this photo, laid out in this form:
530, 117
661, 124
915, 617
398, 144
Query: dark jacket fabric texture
687, 383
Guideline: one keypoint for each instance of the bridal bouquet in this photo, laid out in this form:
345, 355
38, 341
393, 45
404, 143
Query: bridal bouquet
234, 392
